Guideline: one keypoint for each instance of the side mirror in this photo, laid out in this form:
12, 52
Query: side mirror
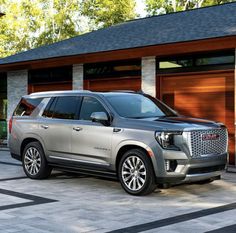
100, 117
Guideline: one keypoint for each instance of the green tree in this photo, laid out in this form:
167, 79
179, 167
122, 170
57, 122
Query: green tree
60, 20
32, 23
104, 13
17, 26
155, 7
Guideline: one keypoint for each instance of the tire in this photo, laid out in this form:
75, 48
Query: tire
34, 162
136, 173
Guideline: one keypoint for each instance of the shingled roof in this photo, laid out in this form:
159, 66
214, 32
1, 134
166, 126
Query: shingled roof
197, 24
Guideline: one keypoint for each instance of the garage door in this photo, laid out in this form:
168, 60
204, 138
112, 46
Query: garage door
49, 87
209, 96
104, 84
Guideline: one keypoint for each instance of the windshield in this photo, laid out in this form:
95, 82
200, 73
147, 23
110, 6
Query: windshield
138, 106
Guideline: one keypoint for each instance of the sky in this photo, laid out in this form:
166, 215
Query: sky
140, 6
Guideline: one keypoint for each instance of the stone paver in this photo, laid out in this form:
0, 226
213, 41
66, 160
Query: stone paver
88, 204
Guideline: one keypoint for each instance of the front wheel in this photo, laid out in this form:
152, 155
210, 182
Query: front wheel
136, 173
34, 162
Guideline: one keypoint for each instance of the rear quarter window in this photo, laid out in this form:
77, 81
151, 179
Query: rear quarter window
27, 106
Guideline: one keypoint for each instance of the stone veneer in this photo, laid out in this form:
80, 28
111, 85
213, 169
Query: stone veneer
17, 86
78, 77
149, 75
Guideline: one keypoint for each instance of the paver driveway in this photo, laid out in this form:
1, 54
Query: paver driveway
73, 203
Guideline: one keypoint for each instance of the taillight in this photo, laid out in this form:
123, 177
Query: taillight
10, 125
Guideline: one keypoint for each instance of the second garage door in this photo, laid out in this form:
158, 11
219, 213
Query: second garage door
209, 96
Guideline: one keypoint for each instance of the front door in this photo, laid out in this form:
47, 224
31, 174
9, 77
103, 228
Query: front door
91, 141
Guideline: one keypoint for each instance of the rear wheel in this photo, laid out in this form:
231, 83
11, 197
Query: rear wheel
34, 162
136, 173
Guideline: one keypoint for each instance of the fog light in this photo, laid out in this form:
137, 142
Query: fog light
167, 164
170, 165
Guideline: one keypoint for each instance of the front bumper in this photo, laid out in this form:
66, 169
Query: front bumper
190, 170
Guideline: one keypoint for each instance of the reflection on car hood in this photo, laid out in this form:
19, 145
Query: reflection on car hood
170, 123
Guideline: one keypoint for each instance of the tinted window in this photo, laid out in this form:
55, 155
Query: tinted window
90, 105
138, 106
27, 106
215, 60
112, 69
196, 61
48, 111
66, 107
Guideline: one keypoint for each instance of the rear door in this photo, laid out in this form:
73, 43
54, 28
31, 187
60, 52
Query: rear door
56, 125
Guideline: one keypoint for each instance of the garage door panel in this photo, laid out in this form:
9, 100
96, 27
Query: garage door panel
208, 96
127, 83
49, 87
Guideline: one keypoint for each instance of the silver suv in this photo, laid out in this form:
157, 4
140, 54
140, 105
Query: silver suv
128, 135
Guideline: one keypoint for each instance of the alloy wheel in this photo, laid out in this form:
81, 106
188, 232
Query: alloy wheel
32, 161
134, 173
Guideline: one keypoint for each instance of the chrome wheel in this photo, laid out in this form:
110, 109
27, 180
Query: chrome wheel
32, 161
134, 173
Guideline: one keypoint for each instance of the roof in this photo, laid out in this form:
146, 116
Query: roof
203, 23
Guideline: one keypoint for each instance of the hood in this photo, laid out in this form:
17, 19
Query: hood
171, 123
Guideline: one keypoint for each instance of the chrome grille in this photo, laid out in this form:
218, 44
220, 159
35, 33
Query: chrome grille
200, 147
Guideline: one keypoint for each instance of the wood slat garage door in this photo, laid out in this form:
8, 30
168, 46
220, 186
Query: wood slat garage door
104, 84
209, 96
49, 87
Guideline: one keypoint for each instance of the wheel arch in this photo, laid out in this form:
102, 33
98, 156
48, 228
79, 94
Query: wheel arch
129, 145
27, 140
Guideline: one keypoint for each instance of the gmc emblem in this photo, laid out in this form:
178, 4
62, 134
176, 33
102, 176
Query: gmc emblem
207, 137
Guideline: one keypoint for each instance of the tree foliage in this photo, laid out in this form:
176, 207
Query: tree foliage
155, 7
29, 24
105, 13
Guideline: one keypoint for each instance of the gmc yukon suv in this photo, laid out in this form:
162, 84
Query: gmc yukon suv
128, 135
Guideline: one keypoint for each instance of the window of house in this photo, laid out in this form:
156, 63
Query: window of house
90, 105
112, 69
51, 75
197, 62
215, 60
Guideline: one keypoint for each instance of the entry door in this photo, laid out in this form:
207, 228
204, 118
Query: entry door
91, 141
209, 96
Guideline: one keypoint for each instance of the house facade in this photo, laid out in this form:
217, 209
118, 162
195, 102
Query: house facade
186, 59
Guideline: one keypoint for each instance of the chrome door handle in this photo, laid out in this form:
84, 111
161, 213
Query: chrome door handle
44, 126
77, 129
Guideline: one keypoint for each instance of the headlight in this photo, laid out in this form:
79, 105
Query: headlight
167, 139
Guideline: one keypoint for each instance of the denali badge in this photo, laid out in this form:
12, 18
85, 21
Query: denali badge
212, 136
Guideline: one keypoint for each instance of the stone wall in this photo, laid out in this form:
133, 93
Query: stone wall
149, 75
78, 77
17, 86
